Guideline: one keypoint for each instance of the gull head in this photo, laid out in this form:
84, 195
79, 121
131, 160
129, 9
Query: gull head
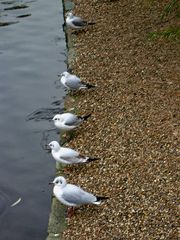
59, 181
54, 145
64, 74
69, 14
57, 118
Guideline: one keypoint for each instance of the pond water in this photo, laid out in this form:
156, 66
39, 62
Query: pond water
32, 54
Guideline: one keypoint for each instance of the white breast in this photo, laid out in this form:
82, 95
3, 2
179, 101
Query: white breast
63, 81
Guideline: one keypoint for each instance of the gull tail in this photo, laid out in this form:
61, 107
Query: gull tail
85, 117
91, 159
91, 23
88, 85
100, 199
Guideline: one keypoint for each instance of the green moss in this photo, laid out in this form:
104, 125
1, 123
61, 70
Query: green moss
170, 33
172, 6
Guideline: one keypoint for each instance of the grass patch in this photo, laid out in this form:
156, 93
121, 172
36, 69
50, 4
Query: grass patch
172, 6
169, 33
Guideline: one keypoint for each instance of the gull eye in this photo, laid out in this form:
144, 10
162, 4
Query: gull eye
57, 182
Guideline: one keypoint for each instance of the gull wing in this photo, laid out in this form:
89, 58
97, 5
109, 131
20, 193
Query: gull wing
76, 195
77, 21
71, 119
70, 155
73, 82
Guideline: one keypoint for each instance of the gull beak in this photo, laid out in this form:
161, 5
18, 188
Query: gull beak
50, 183
47, 147
69, 70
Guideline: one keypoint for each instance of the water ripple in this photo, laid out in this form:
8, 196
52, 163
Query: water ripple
12, 6
3, 202
4, 24
16, 7
24, 15
44, 114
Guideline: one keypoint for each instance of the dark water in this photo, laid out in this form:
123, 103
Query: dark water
32, 54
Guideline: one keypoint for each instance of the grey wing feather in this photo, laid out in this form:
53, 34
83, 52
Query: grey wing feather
72, 120
78, 196
69, 155
74, 83
71, 159
79, 22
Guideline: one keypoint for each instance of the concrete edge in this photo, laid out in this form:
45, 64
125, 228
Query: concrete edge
57, 222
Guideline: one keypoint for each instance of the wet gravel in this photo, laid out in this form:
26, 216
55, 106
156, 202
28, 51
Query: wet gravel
134, 127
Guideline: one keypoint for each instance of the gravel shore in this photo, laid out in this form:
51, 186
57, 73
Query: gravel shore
134, 127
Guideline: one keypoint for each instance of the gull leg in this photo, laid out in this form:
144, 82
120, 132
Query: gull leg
75, 32
71, 168
64, 135
71, 135
67, 136
67, 170
70, 212
79, 31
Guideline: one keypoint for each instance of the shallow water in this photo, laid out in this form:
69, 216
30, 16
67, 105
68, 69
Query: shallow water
32, 54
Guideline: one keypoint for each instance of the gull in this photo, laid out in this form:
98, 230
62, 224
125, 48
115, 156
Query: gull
72, 82
68, 121
67, 155
76, 22
72, 195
